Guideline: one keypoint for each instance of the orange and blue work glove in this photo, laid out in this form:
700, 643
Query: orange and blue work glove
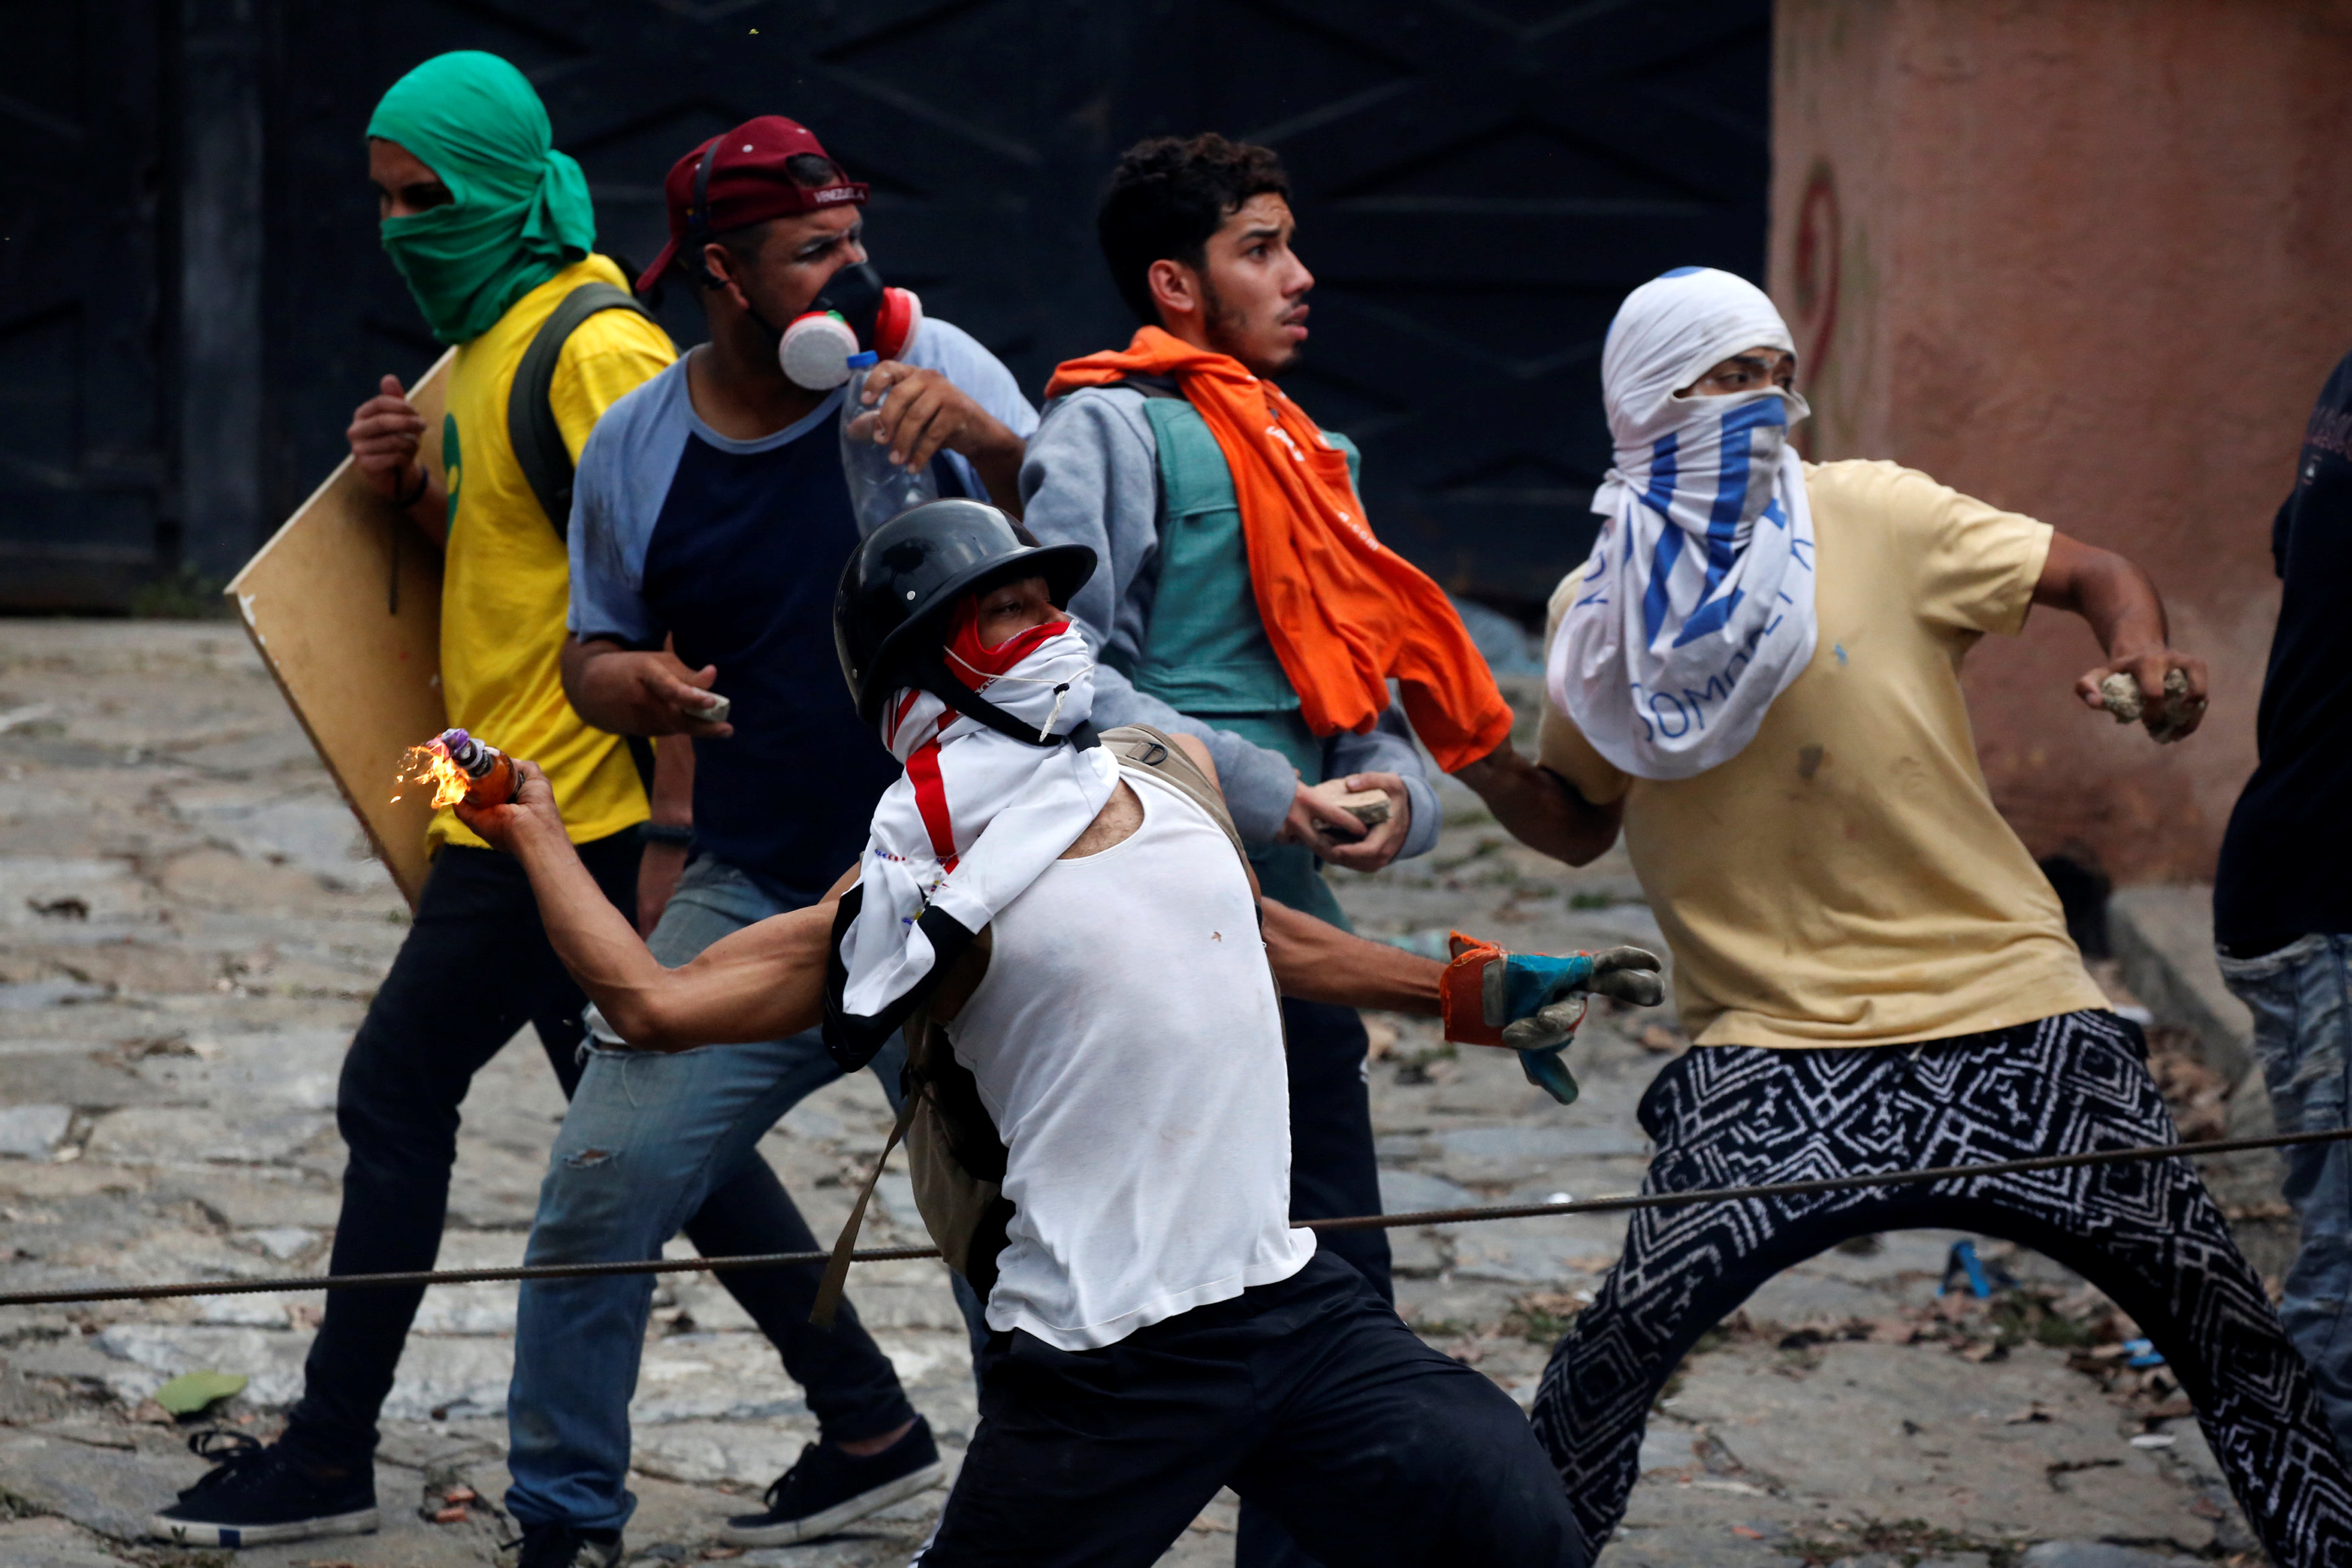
1533, 1002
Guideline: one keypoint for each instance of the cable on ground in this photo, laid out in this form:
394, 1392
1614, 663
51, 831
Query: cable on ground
1612, 1205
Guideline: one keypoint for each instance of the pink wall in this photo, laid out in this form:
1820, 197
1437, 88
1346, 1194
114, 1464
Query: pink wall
2088, 259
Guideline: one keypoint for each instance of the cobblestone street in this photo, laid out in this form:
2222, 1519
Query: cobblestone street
189, 933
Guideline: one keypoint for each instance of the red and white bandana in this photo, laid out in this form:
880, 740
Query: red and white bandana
976, 816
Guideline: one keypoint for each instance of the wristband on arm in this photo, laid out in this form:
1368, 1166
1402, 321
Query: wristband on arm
412, 496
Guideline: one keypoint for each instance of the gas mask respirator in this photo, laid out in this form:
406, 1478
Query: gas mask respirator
857, 311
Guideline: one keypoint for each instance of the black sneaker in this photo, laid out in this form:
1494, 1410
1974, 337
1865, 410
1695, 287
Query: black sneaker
828, 1489
560, 1546
256, 1495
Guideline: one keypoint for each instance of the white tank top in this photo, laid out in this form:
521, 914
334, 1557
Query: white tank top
1128, 1041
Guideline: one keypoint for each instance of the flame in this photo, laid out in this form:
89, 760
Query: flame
431, 764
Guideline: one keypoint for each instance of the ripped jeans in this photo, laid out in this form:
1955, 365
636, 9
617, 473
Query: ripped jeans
2301, 995
646, 1137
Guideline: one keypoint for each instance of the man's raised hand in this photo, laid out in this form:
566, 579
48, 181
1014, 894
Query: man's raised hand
925, 415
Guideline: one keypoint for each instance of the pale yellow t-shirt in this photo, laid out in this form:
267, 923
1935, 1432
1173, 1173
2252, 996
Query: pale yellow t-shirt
1845, 880
506, 580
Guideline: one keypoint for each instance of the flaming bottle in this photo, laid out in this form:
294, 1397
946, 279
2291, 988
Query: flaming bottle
460, 767
489, 774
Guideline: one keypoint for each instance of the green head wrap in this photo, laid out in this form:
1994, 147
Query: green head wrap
521, 212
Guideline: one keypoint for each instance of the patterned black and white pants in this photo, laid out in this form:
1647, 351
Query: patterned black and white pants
2147, 1233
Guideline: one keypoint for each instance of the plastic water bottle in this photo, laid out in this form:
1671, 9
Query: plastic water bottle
879, 488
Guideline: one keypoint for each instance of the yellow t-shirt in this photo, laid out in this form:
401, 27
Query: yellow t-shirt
1845, 880
506, 580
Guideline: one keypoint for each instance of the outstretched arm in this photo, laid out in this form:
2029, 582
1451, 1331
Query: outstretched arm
1315, 961
762, 983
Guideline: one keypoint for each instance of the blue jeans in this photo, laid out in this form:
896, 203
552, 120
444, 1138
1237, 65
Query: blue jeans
2302, 1000
648, 1135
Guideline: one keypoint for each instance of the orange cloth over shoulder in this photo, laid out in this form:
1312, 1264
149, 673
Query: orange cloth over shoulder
1345, 614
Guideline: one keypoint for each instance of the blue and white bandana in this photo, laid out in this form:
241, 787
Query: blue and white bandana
1696, 606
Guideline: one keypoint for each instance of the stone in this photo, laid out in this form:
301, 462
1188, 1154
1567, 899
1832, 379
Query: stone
1541, 1143
47, 1541
1409, 1192
33, 1132
1666, 1448
283, 1241
260, 1310
103, 1490
171, 1135
1540, 1251
2098, 1554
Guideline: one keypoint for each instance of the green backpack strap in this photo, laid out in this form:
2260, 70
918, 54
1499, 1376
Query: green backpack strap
531, 430
537, 440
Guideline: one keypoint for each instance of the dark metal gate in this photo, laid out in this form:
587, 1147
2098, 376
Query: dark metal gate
1478, 184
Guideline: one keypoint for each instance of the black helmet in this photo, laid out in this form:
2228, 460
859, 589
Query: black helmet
903, 578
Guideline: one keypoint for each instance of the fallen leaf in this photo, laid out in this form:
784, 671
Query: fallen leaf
1743, 1531
191, 1391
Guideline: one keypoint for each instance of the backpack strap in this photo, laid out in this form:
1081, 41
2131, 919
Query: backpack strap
957, 978
1148, 748
531, 429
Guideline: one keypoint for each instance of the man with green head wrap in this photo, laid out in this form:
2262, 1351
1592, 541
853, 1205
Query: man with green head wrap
492, 229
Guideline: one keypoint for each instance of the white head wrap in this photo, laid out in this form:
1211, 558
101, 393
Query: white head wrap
1696, 606
976, 816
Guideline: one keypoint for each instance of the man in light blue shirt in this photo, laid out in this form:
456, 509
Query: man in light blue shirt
710, 522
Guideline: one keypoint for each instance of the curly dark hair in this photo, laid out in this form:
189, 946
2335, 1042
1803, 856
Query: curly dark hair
1167, 195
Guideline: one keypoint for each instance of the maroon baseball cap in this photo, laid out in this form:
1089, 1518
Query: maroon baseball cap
744, 182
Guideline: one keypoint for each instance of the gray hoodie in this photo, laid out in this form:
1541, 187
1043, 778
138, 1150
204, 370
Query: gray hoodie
1092, 477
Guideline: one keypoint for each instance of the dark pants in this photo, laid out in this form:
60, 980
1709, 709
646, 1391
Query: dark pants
2148, 1235
1333, 1172
1310, 1397
476, 967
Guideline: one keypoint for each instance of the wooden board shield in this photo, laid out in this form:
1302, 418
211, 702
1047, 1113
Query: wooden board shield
344, 605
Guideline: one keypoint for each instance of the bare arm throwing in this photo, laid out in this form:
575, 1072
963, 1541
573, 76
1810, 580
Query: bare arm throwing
1315, 961
763, 982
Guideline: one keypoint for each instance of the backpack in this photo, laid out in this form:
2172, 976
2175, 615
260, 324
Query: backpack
953, 1153
537, 440
531, 430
